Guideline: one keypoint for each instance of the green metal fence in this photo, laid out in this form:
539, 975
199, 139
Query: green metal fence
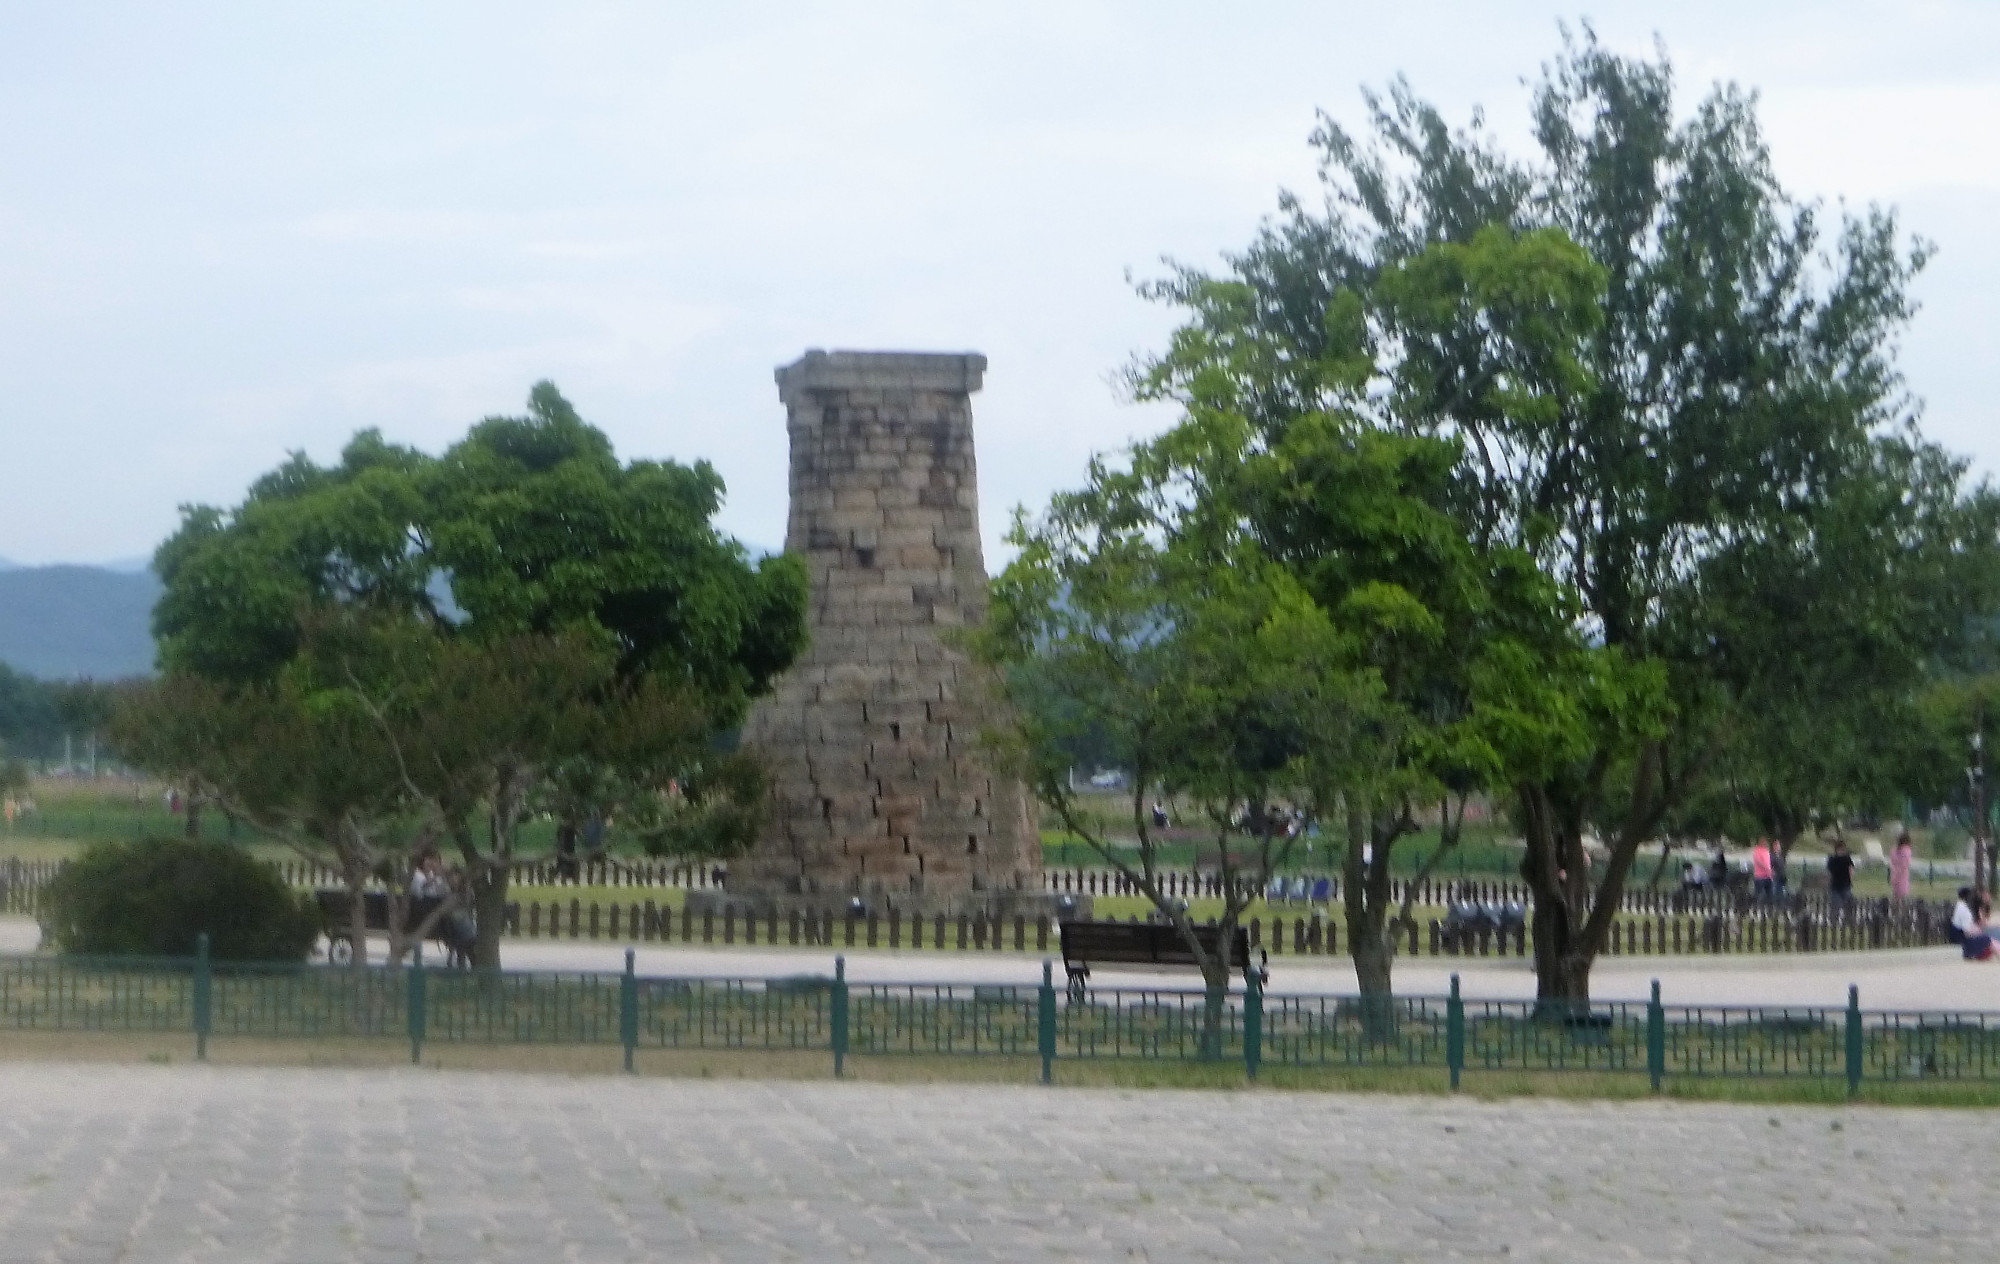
827, 1014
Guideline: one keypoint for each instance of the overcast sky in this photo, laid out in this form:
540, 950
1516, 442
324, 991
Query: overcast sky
231, 231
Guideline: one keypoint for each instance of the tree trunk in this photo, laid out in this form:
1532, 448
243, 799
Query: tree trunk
568, 869
1564, 990
357, 912
1562, 969
489, 909
1659, 870
1562, 960
1372, 963
1364, 900
397, 904
1215, 1000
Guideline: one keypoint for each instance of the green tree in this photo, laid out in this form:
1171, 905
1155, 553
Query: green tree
1113, 620
295, 758
1645, 422
1465, 645
526, 556
1846, 624
29, 722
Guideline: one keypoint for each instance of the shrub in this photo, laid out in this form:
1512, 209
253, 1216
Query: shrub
152, 897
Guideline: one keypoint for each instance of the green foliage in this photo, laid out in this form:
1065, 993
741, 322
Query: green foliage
1669, 391
13, 774
31, 726
399, 650
153, 897
530, 524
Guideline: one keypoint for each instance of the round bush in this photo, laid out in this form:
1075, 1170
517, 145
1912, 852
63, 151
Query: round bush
152, 897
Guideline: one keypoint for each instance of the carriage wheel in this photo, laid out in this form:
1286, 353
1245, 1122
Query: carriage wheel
340, 950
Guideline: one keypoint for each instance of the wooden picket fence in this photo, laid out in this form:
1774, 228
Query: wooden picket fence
1877, 924
687, 877
1651, 922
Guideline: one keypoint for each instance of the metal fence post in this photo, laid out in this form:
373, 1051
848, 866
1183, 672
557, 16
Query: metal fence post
1045, 1022
1656, 1039
418, 1009
1853, 1040
628, 1009
1454, 1034
839, 1016
1253, 1023
204, 979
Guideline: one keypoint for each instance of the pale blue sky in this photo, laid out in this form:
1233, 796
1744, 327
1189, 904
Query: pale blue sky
231, 230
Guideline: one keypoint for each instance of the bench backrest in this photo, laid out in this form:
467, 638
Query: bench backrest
1145, 943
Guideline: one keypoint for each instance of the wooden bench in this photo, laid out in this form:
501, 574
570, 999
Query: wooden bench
1148, 945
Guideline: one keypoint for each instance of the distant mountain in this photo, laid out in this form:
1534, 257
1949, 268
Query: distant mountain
61, 622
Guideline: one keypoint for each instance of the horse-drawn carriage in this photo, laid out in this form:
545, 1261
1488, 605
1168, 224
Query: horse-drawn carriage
336, 907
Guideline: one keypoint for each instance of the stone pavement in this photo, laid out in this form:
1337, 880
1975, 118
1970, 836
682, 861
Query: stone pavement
103, 1163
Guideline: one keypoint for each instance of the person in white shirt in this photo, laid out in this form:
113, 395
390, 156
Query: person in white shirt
428, 882
1979, 942
1962, 919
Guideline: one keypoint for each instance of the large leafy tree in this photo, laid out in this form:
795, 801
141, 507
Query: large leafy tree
1479, 672
1851, 621
498, 612
1292, 617
1654, 428
1192, 655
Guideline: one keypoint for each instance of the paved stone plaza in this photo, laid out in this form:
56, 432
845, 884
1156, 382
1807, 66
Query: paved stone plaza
102, 1163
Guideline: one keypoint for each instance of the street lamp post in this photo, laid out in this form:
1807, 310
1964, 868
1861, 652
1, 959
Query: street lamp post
1982, 868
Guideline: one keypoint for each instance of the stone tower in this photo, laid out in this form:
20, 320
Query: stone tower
879, 787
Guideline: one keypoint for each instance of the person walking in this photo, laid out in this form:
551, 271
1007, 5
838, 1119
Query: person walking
1899, 867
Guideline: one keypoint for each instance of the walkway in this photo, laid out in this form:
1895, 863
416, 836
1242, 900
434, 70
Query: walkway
1907, 978
218, 1164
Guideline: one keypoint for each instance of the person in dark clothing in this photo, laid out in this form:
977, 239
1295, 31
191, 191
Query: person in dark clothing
1840, 875
1718, 871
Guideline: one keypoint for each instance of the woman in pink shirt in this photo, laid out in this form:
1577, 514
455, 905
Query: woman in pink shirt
1760, 869
1899, 867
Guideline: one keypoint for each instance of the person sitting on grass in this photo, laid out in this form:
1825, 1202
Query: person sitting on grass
1979, 944
1962, 919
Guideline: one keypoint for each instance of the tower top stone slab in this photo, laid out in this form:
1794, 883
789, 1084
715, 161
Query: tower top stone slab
958, 373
